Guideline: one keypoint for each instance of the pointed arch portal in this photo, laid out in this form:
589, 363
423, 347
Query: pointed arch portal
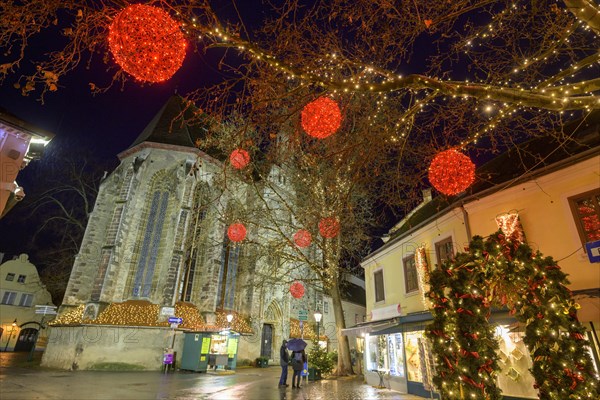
503, 271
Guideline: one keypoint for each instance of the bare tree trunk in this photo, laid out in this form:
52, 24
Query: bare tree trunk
344, 365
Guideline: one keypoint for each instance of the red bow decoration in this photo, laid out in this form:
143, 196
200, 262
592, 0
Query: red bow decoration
465, 353
472, 382
575, 378
577, 336
487, 367
462, 310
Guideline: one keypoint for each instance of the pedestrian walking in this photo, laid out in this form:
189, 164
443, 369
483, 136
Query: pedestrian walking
298, 360
284, 359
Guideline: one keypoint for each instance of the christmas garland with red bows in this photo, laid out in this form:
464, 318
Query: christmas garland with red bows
500, 271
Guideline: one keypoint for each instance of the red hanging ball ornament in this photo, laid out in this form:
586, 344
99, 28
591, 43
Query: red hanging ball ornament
297, 290
147, 43
236, 232
239, 158
321, 118
451, 172
329, 227
302, 238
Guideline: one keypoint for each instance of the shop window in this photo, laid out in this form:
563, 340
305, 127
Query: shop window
444, 250
21, 278
413, 358
379, 289
396, 355
26, 300
385, 352
586, 213
10, 276
9, 298
377, 353
411, 282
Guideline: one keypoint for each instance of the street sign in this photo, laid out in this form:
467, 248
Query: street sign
593, 251
303, 315
167, 311
175, 320
45, 310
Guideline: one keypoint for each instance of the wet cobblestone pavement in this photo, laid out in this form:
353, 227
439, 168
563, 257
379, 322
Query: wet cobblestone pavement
22, 380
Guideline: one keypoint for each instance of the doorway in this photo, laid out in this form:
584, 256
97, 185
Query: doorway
26, 339
267, 341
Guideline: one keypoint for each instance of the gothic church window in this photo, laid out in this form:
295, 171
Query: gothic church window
142, 284
228, 273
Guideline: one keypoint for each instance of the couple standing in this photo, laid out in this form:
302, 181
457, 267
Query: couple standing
297, 360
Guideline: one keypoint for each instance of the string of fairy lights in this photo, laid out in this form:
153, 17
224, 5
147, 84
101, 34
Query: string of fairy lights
146, 313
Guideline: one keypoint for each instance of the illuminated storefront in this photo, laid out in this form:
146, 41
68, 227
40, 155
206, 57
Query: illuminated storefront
402, 356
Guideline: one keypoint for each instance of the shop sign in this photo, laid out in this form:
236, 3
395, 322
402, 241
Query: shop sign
593, 251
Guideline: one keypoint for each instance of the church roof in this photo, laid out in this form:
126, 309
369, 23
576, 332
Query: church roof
169, 127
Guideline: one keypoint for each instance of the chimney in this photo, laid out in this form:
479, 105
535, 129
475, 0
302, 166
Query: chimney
427, 195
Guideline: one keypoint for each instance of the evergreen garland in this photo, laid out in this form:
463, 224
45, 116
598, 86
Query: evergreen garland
502, 271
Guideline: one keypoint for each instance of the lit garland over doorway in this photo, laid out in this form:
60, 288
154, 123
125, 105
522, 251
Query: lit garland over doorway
502, 271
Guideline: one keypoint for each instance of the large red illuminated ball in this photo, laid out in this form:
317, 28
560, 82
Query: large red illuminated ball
302, 238
329, 227
321, 118
239, 158
236, 232
297, 290
451, 172
147, 43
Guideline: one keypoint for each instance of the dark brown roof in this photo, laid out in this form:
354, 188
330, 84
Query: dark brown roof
169, 126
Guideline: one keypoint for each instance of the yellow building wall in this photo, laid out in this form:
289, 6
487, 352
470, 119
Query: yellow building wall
23, 315
545, 214
390, 260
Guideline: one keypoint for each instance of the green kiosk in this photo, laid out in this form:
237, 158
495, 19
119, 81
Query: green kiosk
203, 350
196, 350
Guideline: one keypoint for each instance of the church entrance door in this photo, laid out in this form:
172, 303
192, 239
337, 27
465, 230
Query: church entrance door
26, 339
267, 341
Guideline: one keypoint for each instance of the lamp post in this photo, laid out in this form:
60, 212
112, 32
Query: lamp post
318, 317
229, 319
14, 325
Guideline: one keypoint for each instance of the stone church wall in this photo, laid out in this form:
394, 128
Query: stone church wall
100, 347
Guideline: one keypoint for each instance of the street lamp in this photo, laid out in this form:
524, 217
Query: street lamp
318, 317
229, 318
14, 325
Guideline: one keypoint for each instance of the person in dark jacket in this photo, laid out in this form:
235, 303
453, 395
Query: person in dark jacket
298, 360
284, 360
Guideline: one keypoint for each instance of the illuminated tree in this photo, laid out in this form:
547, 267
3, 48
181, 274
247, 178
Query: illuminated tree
412, 78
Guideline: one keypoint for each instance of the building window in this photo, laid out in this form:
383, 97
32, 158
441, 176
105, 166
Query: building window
10, 276
444, 250
142, 286
326, 307
411, 282
26, 300
586, 212
21, 278
9, 298
228, 274
379, 292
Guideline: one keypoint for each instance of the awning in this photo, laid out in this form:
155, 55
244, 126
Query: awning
402, 321
369, 327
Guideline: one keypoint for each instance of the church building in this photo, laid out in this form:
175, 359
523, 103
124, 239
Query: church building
156, 249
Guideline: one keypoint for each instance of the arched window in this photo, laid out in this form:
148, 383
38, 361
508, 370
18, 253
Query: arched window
142, 284
228, 273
